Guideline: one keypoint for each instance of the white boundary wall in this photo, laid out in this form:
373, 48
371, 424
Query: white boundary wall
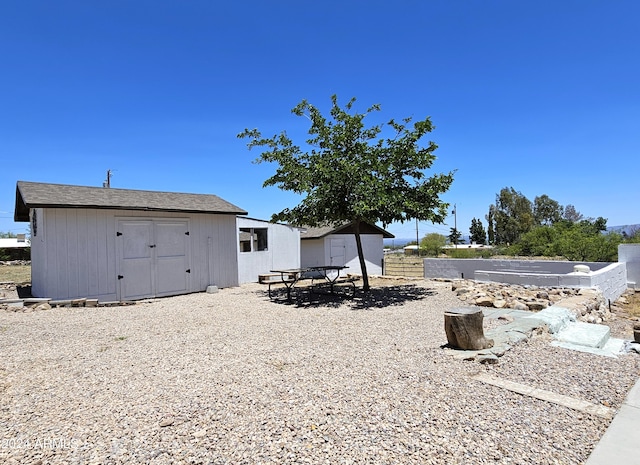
467, 267
610, 278
630, 254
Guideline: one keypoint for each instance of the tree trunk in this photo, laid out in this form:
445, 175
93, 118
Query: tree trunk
363, 264
464, 329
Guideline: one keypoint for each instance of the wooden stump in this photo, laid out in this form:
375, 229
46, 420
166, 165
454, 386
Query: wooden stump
464, 329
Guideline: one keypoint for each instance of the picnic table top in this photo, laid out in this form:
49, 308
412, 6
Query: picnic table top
311, 268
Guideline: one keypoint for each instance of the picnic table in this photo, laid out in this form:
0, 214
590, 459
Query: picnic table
291, 276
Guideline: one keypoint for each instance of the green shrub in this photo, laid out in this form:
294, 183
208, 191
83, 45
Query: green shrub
468, 253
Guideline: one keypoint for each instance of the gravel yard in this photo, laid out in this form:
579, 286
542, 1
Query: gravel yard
235, 378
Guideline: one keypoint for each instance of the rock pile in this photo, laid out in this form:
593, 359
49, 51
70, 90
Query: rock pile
15, 262
587, 304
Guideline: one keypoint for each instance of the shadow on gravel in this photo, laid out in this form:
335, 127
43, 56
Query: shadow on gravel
377, 297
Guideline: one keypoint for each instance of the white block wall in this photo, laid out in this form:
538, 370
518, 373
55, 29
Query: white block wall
468, 268
630, 254
610, 278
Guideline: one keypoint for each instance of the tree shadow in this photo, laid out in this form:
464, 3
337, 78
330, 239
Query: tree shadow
377, 297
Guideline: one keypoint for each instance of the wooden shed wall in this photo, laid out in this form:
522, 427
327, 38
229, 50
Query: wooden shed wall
74, 251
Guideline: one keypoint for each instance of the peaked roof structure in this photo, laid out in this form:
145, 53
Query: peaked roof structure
41, 195
346, 228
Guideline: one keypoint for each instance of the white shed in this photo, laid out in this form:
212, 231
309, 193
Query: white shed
336, 245
121, 244
265, 246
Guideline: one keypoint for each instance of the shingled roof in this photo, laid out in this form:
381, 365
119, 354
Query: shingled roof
40, 195
346, 228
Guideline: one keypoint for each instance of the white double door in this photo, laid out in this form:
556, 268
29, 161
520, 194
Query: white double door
153, 258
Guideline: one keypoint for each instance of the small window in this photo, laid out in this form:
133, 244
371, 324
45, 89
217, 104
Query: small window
260, 239
253, 239
245, 240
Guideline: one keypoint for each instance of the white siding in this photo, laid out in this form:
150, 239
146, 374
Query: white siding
312, 253
316, 252
283, 250
74, 252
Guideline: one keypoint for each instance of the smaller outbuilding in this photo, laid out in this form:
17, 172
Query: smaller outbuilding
336, 245
265, 246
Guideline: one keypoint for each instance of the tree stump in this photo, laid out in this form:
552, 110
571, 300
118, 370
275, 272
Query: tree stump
464, 329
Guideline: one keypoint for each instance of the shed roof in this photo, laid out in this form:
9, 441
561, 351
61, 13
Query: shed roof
346, 228
41, 195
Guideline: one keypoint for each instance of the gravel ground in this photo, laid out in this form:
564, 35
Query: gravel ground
235, 378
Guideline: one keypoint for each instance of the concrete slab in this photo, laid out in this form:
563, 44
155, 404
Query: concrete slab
584, 334
494, 313
619, 444
555, 317
548, 396
589, 350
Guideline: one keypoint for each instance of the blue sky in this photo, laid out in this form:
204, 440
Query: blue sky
541, 96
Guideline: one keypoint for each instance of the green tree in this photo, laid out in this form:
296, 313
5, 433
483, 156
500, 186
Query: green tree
546, 211
540, 241
513, 216
349, 172
490, 225
455, 236
477, 232
582, 241
571, 214
633, 236
433, 243
8, 234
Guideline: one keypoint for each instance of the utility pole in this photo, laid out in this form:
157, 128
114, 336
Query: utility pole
455, 224
107, 183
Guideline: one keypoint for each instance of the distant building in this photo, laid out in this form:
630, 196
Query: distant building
15, 248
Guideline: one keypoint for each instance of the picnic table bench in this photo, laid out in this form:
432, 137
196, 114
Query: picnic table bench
290, 277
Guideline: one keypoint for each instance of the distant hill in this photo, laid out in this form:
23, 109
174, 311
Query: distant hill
401, 242
626, 228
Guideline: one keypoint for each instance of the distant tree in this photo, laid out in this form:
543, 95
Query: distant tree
571, 214
455, 236
513, 216
591, 226
7, 235
477, 232
433, 243
633, 236
350, 174
490, 225
575, 241
540, 241
546, 211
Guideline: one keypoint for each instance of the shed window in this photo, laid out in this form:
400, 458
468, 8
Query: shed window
253, 239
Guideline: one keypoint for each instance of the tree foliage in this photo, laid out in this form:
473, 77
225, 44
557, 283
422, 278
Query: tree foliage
546, 228
433, 243
571, 214
477, 232
513, 216
455, 236
546, 211
581, 241
491, 234
349, 172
